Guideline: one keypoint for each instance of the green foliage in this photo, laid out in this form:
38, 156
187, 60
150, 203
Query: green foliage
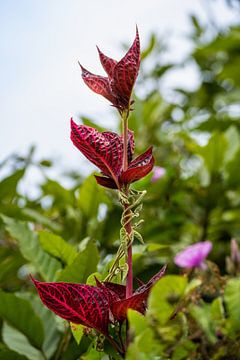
72, 233
19, 313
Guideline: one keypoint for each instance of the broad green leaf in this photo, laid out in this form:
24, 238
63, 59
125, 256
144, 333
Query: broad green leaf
9, 184
60, 195
231, 297
213, 153
233, 138
6, 354
16, 341
31, 249
145, 346
35, 216
217, 310
57, 247
49, 321
20, 314
185, 349
165, 295
83, 265
137, 322
202, 315
10, 261
77, 331
90, 197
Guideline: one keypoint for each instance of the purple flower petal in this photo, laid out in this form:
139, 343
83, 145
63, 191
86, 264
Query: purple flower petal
158, 172
194, 255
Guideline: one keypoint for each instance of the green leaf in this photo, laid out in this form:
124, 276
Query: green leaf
233, 139
30, 248
213, 153
90, 197
20, 314
164, 297
57, 247
137, 322
6, 354
231, 297
184, 350
10, 261
77, 331
49, 321
83, 265
145, 346
9, 184
202, 315
147, 51
16, 341
35, 216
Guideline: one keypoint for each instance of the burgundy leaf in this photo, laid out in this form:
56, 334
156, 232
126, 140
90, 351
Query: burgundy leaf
105, 150
118, 289
106, 182
125, 73
80, 304
136, 302
107, 63
138, 168
98, 84
131, 145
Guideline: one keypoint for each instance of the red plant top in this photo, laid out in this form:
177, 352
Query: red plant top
118, 84
94, 306
105, 150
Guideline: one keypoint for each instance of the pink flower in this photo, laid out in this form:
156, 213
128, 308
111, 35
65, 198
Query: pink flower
194, 255
158, 172
121, 75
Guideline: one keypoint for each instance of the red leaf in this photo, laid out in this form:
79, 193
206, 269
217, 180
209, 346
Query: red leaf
107, 63
106, 182
98, 84
105, 150
80, 304
138, 168
118, 289
131, 145
136, 302
125, 74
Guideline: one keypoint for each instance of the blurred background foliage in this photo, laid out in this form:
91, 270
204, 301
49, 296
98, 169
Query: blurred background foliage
66, 233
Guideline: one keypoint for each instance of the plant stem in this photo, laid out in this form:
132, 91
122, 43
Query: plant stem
128, 226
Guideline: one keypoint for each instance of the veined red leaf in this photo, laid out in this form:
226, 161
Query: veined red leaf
119, 290
107, 63
105, 150
98, 84
136, 302
80, 304
138, 168
131, 145
125, 73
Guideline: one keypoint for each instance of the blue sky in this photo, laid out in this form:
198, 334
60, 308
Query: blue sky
40, 44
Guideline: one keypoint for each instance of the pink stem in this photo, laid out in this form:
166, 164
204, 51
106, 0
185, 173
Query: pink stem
128, 226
